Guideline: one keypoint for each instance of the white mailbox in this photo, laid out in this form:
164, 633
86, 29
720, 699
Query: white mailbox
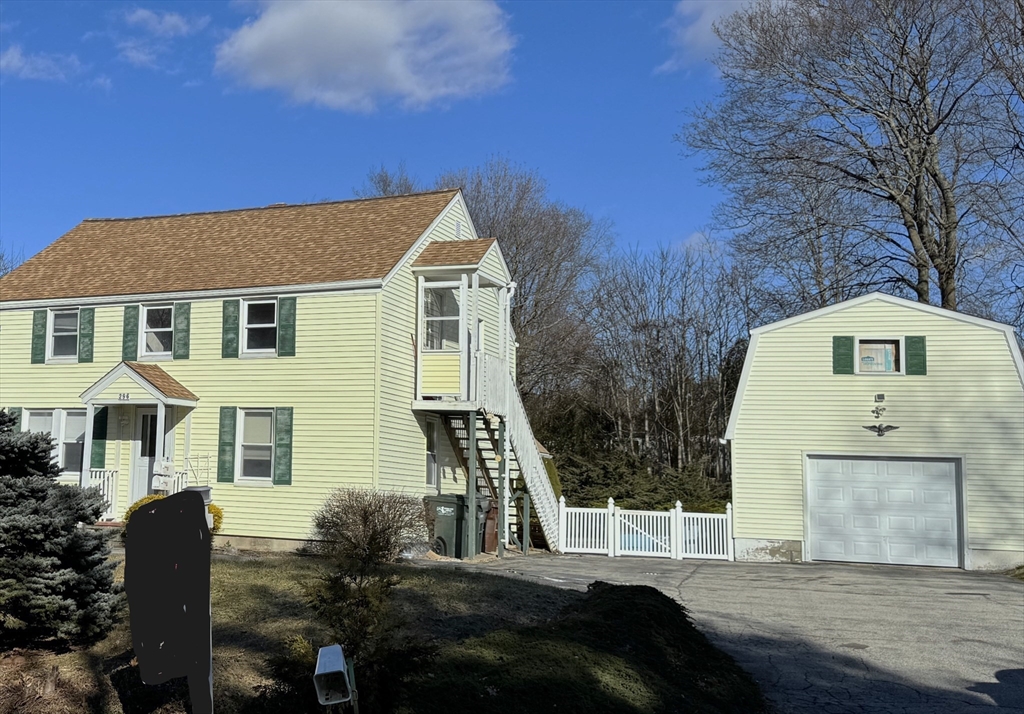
162, 483
331, 677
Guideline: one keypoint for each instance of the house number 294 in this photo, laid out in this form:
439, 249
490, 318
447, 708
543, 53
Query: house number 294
124, 396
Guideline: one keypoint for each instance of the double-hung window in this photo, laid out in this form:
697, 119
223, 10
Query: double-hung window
157, 330
63, 341
441, 318
257, 444
260, 322
67, 428
431, 452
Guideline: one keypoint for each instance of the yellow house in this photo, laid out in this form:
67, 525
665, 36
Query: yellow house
880, 430
274, 354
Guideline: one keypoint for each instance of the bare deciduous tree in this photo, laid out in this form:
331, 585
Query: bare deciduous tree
883, 102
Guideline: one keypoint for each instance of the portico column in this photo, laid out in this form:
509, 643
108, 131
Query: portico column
158, 451
84, 476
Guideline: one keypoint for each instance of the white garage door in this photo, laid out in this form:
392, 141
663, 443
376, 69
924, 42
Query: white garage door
875, 511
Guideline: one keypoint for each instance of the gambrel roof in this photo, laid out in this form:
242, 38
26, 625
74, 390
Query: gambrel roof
278, 245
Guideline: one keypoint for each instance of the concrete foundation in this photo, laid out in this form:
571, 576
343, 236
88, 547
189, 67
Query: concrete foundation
269, 545
976, 559
761, 550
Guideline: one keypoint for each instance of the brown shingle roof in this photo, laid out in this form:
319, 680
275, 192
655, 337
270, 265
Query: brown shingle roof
168, 385
254, 247
463, 252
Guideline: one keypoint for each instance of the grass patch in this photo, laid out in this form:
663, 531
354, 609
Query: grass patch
494, 642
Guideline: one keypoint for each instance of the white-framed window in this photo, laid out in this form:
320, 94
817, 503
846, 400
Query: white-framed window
441, 319
256, 444
67, 427
72, 441
62, 338
157, 326
879, 355
259, 320
432, 479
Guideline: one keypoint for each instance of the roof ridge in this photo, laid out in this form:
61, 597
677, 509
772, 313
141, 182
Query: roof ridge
273, 206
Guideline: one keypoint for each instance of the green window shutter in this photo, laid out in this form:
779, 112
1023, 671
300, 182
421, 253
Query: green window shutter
917, 357
98, 458
182, 325
130, 334
38, 336
286, 327
229, 334
842, 355
226, 449
283, 446
86, 322
16, 413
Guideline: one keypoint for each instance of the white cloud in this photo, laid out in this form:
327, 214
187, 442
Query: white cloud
102, 82
693, 36
165, 24
138, 52
41, 65
353, 55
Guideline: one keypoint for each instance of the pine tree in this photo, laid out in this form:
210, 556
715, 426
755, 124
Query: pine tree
56, 581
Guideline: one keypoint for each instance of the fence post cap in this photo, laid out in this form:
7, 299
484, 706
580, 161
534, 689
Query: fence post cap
611, 502
679, 505
561, 499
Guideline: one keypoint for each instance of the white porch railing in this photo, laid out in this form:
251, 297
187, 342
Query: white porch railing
661, 534
106, 480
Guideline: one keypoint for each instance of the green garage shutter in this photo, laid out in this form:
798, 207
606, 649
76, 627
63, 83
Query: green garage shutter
38, 336
98, 458
226, 449
842, 355
283, 446
130, 334
182, 320
16, 413
229, 333
286, 327
86, 323
917, 358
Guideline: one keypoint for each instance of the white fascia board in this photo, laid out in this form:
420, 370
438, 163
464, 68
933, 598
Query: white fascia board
737, 402
1006, 330
456, 199
370, 285
121, 369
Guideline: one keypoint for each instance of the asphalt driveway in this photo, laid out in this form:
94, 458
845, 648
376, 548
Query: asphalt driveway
822, 638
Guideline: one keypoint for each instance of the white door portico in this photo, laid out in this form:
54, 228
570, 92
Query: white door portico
136, 384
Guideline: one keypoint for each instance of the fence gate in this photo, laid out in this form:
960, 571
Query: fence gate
673, 534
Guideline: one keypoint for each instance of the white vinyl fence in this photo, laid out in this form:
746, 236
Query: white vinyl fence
673, 534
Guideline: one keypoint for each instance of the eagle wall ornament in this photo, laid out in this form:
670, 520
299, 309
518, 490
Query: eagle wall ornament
880, 429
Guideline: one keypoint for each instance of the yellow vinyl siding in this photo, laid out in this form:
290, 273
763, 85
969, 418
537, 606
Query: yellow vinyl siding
440, 373
970, 405
401, 433
331, 383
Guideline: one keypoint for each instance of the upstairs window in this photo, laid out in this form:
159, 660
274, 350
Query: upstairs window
441, 318
64, 334
879, 356
260, 321
157, 330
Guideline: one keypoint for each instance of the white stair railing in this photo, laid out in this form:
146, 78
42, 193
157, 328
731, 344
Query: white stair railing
496, 393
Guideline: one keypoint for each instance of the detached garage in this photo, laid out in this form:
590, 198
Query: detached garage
880, 430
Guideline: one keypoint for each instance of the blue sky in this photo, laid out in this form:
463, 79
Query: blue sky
122, 109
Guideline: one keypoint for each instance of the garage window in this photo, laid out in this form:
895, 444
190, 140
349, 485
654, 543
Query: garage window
879, 356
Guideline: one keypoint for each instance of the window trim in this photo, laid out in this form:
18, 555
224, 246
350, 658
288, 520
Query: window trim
62, 359
424, 319
155, 356
240, 432
58, 428
244, 328
876, 338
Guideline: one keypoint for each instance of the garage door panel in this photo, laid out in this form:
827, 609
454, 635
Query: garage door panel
879, 511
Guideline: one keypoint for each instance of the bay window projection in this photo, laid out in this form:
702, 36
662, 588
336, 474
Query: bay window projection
441, 319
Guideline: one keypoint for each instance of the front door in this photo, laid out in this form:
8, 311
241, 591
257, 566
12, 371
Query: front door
143, 453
